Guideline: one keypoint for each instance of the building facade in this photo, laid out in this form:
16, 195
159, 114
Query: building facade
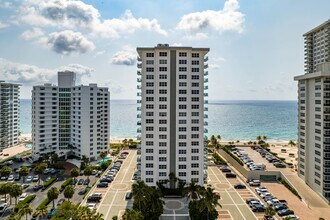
70, 119
9, 114
314, 112
171, 114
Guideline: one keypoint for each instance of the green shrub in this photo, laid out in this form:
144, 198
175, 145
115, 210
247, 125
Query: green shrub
49, 182
228, 151
218, 159
282, 158
66, 183
289, 187
105, 165
27, 200
42, 204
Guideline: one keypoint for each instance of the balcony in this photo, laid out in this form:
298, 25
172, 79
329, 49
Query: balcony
138, 138
138, 130
206, 131
139, 65
206, 95
206, 87
206, 109
139, 101
206, 73
139, 59
139, 80
138, 108
139, 87
206, 101
206, 116
206, 80
138, 146
139, 93
138, 152
138, 123
206, 66
206, 123
206, 58
205, 138
138, 73
138, 116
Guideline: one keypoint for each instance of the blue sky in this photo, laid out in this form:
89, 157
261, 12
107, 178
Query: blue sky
256, 46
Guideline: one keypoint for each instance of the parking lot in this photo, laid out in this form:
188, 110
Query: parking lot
232, 200
113, 201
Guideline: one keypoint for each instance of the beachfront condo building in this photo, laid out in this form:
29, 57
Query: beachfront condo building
172, 91
9, 114
314, 112
70, 119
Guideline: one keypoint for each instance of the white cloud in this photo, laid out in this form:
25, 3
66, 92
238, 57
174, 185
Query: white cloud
196, 36
227, 19
6, 4
69, 42
32, 34
100, 53
127, 57
33, 75
2, 25
78, 15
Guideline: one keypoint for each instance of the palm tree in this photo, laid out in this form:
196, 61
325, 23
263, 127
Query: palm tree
85, 159
54, 158
103, 155
258, 138
26, 210
74, 173
15, 191
173, 180
87, 172
270, 211
192, 191
133, 214
52, 194
39, 169
68, 192
42, 211
5, 171
214, 141
5, 189
210, 200
139, 192
292, 143
23, 171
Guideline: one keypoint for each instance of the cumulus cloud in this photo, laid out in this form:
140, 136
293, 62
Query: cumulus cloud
2, 25
33, 75
196, 36
32, 34
6, 4
68, 42
76, 14
127, 57
227, 19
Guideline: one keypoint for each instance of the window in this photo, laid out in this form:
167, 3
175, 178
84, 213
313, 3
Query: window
194, 172
162, 99
182, 173
149, 151
149, 69
182, 159
149, 136
195, 77
162, 83
162, 61
182, 166
150, 99
149, 91
150, 77
183, 91
162, 173
149, 128
194, 91
162, 151
162, 114
149, 165
194, 121
162, 121
194, 150
194, 165
162, 144
162, 167
195, 62
195, 99
182, 54
194, 106
182, 106
149, 84
182, 84
150, 55
150, 62
150, 143
149, 158
162, 128
182, 69
194, 157
162, 76
182, 129
162, 69
149, 180
181, 136
194, 84
195, 70
182, 114
182, 144
149, 121
149, 172
194, 143
162, 54
182, 61
196, 55
182, 76
162, 106
182, 122
162, 91
149, 106
162, 159
182, 151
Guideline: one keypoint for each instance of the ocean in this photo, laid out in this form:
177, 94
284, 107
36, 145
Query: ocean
233, 120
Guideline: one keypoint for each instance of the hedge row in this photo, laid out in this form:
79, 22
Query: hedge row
289, 187
42, 204
218, 159
228, 151
66, 183
27, 200
49, 182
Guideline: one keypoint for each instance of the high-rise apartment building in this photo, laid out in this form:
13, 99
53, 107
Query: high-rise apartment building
9, 114
172, 83
70, 119
314, 112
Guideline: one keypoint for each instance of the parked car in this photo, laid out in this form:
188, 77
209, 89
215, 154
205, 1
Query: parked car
36, 178
22, 197
10, 178
128, 195
86, 181
268, 217
284, 212
96, 197
24, 186
60, 201
280, 206
29, 179
81, 181
248, 200
91, 206
82, 192
254, 183
9, 162
3, 207
17, 177
258, 208
226, 170
108, 180
230, 175
239, 186
37, 187
252, 203
293, 217
51, 213
102, 185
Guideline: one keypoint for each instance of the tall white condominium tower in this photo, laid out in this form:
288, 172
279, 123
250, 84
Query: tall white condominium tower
69, 119
172, 83
314, 112
9, 114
